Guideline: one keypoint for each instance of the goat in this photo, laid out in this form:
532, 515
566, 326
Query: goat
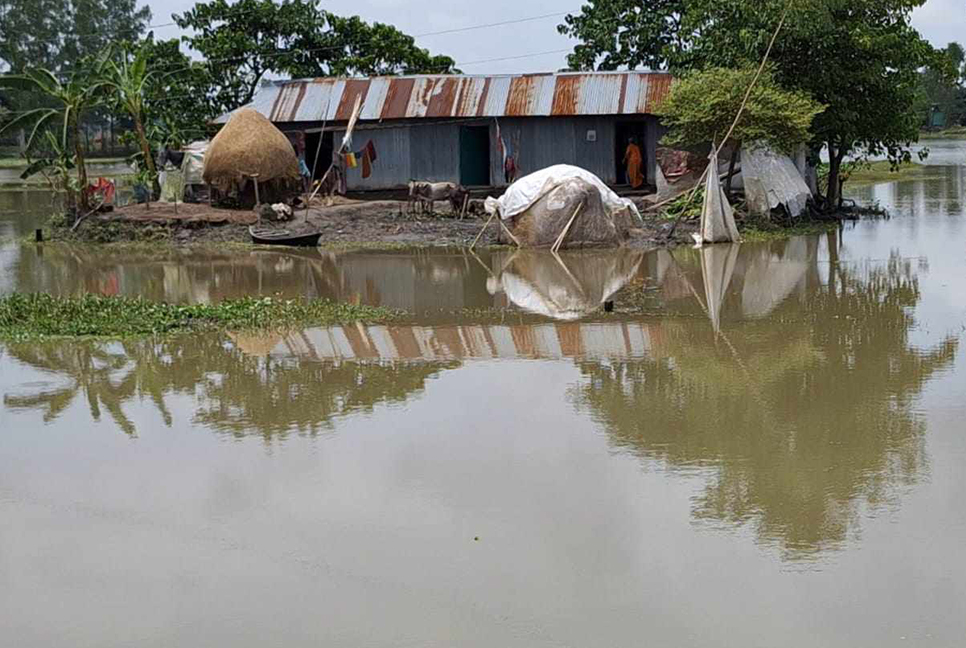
423, 194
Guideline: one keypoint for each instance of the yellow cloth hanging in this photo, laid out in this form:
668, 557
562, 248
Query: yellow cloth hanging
351, 161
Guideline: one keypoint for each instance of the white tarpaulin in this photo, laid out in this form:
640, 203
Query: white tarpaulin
526, 191
771, 179
717, 216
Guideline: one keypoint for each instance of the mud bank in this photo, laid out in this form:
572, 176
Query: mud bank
347, 223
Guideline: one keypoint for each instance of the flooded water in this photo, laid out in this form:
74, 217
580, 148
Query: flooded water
763, 445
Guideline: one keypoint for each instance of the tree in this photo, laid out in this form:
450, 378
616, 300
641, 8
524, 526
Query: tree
98, 24
859, 58
71, 99
57, 35
941, 87
128, 78
243, 42
702, 107
178, 97
351, 46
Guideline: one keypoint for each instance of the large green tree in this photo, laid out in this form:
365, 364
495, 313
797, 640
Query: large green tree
58, 35
859, 58
245, 41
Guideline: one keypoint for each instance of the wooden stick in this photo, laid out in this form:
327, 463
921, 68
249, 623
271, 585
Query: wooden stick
480, 235
466, 202
566, 230
508, 232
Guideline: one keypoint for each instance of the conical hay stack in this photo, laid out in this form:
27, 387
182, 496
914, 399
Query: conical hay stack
249, 144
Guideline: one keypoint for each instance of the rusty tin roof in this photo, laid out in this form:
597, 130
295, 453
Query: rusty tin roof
457, 96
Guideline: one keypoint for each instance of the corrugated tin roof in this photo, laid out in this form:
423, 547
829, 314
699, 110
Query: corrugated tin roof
434, 97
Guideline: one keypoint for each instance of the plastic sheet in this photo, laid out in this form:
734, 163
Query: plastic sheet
526, 191
772, 180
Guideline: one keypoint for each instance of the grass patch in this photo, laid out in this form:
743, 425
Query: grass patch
37, 316
759, 232
955, 132
877, 172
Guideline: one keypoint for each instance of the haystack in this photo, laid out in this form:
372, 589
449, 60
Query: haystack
250, 144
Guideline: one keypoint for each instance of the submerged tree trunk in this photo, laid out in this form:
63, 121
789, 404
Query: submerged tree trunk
834, 195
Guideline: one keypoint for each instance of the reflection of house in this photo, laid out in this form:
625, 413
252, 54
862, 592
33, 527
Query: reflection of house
445, 128
543, 341
411, 282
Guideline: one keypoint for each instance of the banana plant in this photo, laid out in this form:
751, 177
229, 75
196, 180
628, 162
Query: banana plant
70, 97
128, 78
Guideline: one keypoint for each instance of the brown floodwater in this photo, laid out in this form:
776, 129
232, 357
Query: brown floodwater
762, 446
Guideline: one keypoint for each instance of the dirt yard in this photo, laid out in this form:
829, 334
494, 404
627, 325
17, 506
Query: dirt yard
346, 222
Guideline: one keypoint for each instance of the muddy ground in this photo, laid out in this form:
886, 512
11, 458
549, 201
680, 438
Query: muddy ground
347, 222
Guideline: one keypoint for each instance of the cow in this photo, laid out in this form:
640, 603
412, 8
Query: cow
425, 194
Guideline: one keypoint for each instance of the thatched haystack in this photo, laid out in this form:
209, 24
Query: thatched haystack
249, 144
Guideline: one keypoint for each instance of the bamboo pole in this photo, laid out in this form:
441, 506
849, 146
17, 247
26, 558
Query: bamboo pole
480, 235
508, 232
566, 229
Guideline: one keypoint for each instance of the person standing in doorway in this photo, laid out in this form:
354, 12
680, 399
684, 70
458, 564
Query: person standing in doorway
634, 160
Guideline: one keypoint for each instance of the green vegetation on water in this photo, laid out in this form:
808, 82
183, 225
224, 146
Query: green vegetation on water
761, 233
955, 132
44, 316
877, 172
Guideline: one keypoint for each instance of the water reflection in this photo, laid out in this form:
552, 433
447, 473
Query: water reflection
790, 385
799, 420
433, 283
236, 386
563, 287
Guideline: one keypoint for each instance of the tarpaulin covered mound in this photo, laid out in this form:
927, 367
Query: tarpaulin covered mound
249, 144
538, 207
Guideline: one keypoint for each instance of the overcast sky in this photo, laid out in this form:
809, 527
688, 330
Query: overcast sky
941, 21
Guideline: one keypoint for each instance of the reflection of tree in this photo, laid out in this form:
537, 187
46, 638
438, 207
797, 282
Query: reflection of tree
236, 392
89, 369
190, 276
800, 418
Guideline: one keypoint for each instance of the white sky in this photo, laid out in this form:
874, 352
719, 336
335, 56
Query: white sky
941, 21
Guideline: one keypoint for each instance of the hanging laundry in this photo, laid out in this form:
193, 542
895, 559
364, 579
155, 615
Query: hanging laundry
351, 161
366, 162
371, 150
510, 170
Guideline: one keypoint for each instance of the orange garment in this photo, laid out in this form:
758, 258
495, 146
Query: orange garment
634, 161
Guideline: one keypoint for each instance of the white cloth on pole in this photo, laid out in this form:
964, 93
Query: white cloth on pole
717, 216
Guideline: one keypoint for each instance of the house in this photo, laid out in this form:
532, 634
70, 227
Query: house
459, 128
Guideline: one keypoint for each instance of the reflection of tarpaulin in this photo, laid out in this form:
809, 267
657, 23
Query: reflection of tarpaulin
552, 341
770, 278
568, 287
